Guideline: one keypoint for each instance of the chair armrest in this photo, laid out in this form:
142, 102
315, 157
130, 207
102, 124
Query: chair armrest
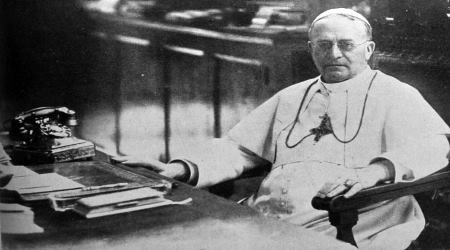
343, 212
383, 192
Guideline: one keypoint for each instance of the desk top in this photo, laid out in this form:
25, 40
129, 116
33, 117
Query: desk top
210, 222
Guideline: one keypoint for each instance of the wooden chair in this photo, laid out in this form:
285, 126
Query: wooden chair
343, 212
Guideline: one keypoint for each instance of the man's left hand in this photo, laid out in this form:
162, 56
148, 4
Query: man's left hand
361, 178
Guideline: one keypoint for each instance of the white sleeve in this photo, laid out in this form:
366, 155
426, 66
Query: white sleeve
220, 160
414, 136
248, 145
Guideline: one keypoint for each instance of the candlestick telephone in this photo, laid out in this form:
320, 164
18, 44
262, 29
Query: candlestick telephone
44, 135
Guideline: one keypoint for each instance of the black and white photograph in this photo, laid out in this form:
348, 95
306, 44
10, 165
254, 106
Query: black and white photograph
225, 124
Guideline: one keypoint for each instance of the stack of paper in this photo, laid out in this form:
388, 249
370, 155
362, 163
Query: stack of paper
123, 201
40, 183
32, 186
17, 219
17, 171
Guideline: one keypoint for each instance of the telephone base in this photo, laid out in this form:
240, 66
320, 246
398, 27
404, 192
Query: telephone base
78, 149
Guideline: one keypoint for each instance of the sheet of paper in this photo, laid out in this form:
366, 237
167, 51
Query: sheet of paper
41, 183
17, 219
17, 171
13, 207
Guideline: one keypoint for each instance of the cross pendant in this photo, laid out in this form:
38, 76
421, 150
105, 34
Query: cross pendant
323, 129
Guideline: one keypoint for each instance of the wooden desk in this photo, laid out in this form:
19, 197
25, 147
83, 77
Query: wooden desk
211, 222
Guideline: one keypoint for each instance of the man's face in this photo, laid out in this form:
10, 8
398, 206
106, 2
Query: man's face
339, 64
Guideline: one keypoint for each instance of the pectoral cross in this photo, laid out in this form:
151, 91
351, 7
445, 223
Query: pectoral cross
323, 129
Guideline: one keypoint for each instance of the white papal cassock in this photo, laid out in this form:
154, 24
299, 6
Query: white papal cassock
395, 123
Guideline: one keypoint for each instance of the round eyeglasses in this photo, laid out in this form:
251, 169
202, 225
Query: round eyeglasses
343, 45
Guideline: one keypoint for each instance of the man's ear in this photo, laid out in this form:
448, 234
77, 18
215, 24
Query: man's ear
370, 48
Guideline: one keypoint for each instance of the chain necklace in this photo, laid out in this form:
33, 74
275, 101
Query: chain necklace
298, 119
325, 126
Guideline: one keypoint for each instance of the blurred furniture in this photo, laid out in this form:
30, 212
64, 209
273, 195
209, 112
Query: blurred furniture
179, 84
203, 80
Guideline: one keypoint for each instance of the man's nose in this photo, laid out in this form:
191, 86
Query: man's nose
335, 52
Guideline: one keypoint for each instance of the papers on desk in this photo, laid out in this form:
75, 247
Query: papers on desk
40, 183
93, 201
122, 202
17, 171
17, 219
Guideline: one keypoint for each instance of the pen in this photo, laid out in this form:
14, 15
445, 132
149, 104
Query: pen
121, 184
34, 187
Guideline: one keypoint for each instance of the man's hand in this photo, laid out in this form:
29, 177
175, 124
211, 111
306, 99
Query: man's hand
173, 170
360, 179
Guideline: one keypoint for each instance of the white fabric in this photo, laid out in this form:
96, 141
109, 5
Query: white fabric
398, 125
341, 11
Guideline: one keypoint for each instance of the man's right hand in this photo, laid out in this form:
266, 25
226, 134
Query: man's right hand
175, 170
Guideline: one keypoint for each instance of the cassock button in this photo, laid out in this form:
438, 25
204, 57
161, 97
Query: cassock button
284, 191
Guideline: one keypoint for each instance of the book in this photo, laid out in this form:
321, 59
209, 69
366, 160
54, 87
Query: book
122, 202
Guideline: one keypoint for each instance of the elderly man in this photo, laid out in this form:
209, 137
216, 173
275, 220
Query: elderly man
350, 128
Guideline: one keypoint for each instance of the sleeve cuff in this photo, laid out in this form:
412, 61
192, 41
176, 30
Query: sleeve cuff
401, 173
191, 176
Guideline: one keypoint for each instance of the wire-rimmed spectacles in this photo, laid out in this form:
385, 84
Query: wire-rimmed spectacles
343, 45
